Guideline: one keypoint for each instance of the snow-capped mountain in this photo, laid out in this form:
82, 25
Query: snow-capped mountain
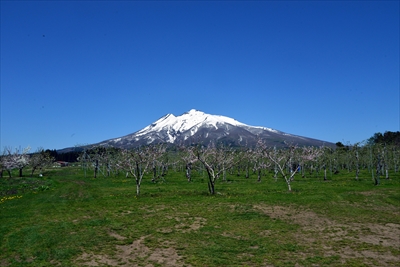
198, 127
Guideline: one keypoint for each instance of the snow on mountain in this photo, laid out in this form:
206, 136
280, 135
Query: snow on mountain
191, 120
197, 126
187, 121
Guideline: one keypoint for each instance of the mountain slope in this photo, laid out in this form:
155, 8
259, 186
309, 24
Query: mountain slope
198, 127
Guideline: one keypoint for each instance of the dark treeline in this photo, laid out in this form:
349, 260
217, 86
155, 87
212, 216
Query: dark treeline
71, 156
389, 138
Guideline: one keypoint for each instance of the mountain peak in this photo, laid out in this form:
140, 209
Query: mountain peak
197, 126
194, 111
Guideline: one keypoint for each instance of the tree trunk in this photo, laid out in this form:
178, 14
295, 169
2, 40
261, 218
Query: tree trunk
211, 181
33, 170
378, 171
211, 187
96, 168
137, 188
20, 172
188, 172
377, 179
154, 171
164, 170
289, 187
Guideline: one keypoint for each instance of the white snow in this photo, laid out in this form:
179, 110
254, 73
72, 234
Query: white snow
190, 121
266, 129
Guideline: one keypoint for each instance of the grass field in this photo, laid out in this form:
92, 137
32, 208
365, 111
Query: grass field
67, 219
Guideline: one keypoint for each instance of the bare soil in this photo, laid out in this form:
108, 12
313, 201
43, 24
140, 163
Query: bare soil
369, 243
135, 254
329, 235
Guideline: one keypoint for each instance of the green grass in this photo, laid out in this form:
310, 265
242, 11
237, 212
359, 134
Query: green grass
67, 219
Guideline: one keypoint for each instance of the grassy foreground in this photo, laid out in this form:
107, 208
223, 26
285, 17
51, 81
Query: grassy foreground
67, 219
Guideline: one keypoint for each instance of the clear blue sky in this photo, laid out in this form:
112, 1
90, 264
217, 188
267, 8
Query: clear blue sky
80, 72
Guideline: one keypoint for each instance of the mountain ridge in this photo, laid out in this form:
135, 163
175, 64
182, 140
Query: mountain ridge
196, 126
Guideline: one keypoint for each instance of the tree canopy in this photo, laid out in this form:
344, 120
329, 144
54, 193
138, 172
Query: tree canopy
390, 138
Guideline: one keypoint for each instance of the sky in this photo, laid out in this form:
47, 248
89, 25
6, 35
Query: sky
81, 72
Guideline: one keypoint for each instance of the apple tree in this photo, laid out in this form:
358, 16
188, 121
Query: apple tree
216, 160
137, 161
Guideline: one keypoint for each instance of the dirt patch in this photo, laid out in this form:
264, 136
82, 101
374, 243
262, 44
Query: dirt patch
153, 209
135, 254
230, 235
366, 241
85, 217
184, 224
387, 235
95, 260
117, 236
367, 193
307, 219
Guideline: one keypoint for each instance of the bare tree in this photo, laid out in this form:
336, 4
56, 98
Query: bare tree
356, 151
84, 160
243, 161
325, 160
40, 160
216, 160
260, 159
136, 162
160, 167
100, 159
288, 161
395, 158
189, 158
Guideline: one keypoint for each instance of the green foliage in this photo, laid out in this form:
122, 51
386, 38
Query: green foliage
389, 138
